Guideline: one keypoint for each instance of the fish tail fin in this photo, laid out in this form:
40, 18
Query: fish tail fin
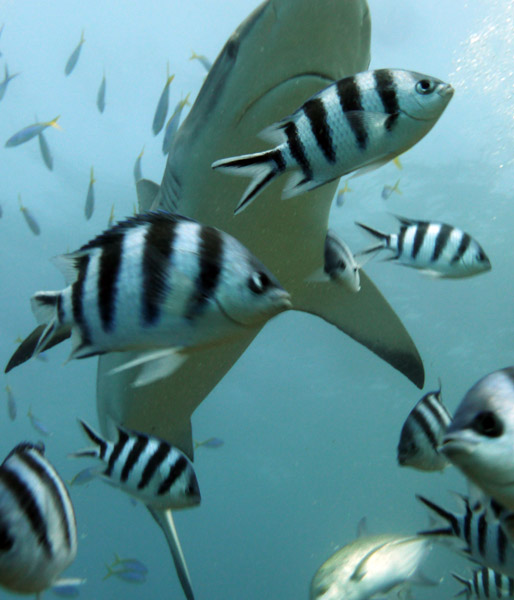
263, 167
441, 515
100, 445
467, 591
384, 238
45, 306
53, 123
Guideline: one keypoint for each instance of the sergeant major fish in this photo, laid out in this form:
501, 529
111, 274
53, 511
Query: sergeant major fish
480, 439
435, 248
74, 56
486, 584
359, 122
156, 281
422, 434
38, 530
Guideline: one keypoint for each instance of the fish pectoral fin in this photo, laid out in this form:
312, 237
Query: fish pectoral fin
147, 191
367, 318
319, 275
156, 365
361, 569
165, 521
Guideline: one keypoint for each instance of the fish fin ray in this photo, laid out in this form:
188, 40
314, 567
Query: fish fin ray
155, 365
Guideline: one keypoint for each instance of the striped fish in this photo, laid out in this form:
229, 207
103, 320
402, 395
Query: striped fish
485, 541
159, 283
436, 248
486, 584
422, 434
38, 534
147, 468
357, 123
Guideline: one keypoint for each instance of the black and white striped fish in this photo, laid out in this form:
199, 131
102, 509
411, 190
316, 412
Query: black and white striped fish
422, 434
359, 122
486, 584
38, 533
436, 248
145, 467
480, 529
156, 281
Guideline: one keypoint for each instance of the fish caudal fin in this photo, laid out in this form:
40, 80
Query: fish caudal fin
441, 516
45, 306
467, 591
383, 237
263, 167
100, 445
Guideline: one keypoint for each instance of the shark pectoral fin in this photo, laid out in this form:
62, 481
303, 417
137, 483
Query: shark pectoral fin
368, 319
165, 521
146, 194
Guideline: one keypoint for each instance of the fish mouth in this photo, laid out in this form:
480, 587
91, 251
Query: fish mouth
446, 91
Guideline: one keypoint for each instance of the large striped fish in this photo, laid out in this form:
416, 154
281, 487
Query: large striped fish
157, 281
486, 584
436, 248
359, 122
38, 533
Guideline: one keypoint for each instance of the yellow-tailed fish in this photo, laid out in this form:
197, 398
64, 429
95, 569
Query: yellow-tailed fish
340, 197
29, 132
72, 61
111, 216
90, 198
172, 125
11, 403
100, 97
162, 106
137, 166
206, 63
5, 82
45, 151
29, 218
389, 189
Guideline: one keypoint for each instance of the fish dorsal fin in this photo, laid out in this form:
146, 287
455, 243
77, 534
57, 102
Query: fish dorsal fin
147, 191
362, 527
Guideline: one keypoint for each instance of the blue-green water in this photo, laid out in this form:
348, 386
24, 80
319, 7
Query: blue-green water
310, 419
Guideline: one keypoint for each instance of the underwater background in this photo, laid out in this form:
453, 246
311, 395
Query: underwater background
310, 419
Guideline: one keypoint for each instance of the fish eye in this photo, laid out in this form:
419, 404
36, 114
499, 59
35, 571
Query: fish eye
425, 86
487, 423
258, 282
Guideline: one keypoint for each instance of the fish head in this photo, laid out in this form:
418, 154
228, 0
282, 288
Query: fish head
423, 97
480, 438
476, 260
189, 494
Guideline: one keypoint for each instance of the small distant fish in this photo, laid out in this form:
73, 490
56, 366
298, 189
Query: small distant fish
212, 442
486, 584
388, 190
397, 163
435, 248
5, 82
145, 467
360, 123
372, 565
206, 63
118, 295
45, 152
29, 218
340, 197
39, 534
90, 198
172, 125
480, 439
68, 588
1, 211
85, 476
479, 528
125, 574
11, 403
422, 434
132, 564
38, 425
100, 97
340, 264
137, 166
162, 106
29, 132
111, 216
72, 61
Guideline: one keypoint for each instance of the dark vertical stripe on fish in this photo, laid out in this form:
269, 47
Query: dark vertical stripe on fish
467, 524
49, 483
501, 544
153, 464
316, 114
441, 240
116, 451
511, 587
137, 449
485, 581
498, 582
60, 309
436, 408
463, 246
482, 533
419, 237
297, 150
27, 505
425, 426
475, 583
386, 89
401, 241
176, 471
210, 259
77, 293
109, 265
157, 255
349, 96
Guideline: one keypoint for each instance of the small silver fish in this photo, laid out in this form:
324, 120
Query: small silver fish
422, 434
29, 132
45, 152
357, 123
137, 166
435, 248
38, 425
131, 564
85, 476
388, 190
486, 584
172, 125
68, 588
11, 403
126, 575
341, 193
90, 198
480, 439
100, 97
29, 218
5, 82
205, 62
212, 442
72, 60
162, 106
